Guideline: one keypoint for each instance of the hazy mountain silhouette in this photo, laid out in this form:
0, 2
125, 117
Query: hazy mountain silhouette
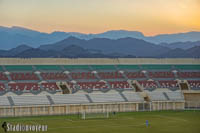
181, 53
183, 45
73, 51
15, 36
126, 46
178, 37
14, 51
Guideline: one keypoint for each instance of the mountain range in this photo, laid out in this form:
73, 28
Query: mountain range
182, 45
128, 46
73, 47
11, 37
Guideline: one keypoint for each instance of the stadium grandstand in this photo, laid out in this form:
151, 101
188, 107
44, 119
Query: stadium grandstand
67, 86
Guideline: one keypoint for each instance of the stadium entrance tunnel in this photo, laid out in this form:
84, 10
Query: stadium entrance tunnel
136, 85
64, 87
184, 86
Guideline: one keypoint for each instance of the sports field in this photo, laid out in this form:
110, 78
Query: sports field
133, 122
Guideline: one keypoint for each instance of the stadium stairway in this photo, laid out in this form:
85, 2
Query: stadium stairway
89, 99
39, 76
10, 100
50, 99
122, 95
176, 75
75, 86
158, 84
166, 96
146, 75
8, 76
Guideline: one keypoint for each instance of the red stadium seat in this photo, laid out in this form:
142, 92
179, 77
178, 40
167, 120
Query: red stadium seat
23, 76
50, 86
3, 76
161, 75
188, 74
2, 87
110, 75
194, 83
54, 76
103, 85
119, 84
23, 86
135, 75
92, 85
148, 84
82, 75
168, 84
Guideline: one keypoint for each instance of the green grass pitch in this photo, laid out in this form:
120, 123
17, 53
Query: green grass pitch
132, 122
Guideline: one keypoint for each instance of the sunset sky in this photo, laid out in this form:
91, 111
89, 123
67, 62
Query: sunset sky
94, 16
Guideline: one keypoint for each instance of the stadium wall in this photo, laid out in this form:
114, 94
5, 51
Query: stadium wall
16, 111
192, 99
95, 61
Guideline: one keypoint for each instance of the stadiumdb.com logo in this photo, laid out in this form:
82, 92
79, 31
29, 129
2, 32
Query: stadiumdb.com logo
8, 127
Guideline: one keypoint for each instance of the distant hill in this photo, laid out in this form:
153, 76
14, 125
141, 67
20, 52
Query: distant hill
14, 51
71, 51
116, 34
193, 52
182, 45
15, 36
128, 46
37, 53
178, 37
100, 48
